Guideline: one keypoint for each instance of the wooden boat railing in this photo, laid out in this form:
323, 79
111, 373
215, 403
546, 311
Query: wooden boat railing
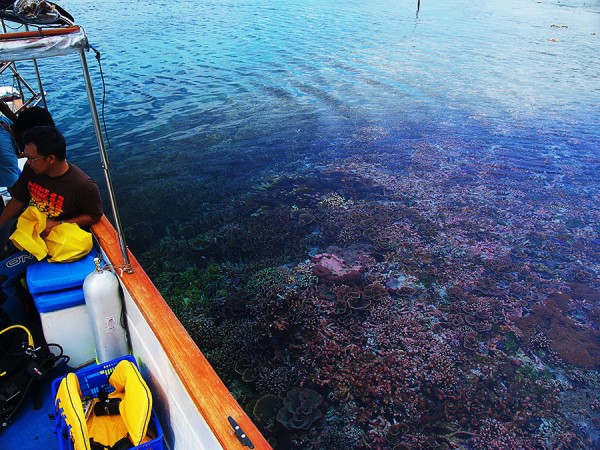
206, 390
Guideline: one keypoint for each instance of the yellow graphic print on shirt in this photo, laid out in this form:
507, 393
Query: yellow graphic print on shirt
47, 202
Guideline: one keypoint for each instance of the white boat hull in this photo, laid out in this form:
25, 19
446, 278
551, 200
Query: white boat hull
192, 403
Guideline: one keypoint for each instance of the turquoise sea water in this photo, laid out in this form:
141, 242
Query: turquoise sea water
449, 156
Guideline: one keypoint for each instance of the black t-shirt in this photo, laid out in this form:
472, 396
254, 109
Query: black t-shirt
60, 198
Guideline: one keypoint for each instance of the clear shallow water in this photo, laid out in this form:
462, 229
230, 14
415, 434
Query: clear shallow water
453, 157
282, 81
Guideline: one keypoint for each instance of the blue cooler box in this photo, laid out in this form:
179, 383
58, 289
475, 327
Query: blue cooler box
57, 292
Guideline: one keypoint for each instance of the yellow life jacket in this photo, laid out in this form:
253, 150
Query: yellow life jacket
132, 421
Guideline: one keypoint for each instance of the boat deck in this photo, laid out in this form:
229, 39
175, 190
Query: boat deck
32, 427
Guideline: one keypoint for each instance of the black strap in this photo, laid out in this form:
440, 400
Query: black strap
121, 444
97, 445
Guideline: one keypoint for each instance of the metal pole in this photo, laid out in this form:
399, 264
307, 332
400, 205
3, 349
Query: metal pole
104, 160
39, 78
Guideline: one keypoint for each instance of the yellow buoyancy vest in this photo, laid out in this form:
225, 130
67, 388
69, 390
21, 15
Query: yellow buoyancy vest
132, 421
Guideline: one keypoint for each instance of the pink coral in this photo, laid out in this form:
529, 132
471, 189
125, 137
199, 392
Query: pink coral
331, 268
334, 263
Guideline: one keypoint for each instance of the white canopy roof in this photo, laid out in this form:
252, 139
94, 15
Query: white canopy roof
42, 43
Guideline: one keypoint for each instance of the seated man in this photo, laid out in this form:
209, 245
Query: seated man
56, 187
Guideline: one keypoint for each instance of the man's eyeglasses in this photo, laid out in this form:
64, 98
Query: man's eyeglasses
30, 159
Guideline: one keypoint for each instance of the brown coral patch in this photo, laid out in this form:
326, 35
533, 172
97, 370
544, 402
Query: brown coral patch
574, 344
580, 291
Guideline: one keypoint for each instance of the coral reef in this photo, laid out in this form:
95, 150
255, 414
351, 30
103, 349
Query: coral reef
437, 305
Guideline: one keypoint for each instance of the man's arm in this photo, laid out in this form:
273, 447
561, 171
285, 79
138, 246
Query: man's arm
13, 208
83, 220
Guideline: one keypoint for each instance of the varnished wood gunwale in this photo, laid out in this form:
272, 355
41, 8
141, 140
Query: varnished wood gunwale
39, 33
205, 388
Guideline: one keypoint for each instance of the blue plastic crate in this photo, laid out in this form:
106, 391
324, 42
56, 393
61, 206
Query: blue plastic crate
92, 380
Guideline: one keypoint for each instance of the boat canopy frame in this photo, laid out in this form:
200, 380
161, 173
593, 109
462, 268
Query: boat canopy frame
54, 42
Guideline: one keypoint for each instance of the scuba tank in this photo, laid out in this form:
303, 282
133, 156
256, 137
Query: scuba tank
105, 310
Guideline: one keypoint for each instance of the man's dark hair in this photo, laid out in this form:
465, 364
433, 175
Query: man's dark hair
35, 116
48, 141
